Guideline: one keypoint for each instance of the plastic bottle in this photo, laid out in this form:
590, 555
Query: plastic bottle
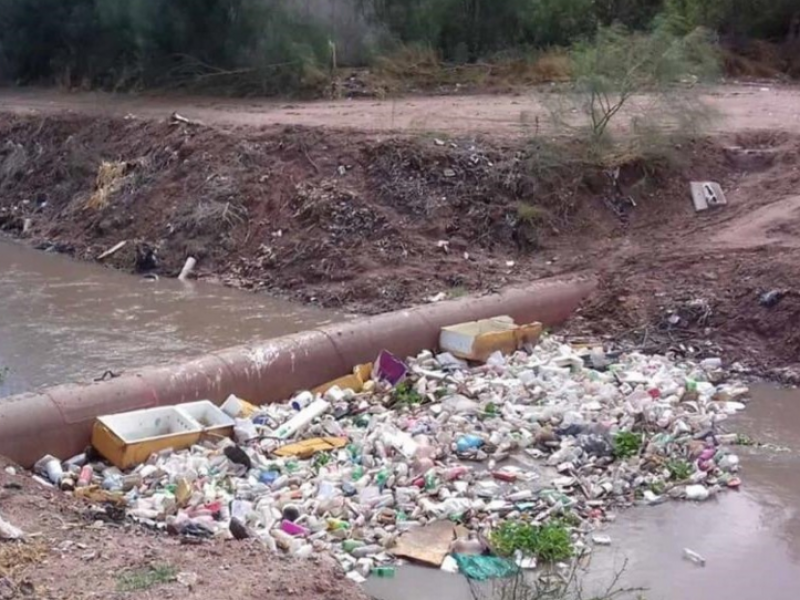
381, 478
694, 557
85, 478
365, 551
697, 492
302, 419
468, 442
302, 400
50, 467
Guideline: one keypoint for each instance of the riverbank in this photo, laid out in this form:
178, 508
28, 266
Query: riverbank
74, 550
368, 223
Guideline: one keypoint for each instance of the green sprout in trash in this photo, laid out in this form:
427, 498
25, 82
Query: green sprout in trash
627, 444
405, 394
490, 410
679, 470
320, 460
548, 543
146, 578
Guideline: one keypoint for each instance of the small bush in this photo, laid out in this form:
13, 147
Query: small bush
548, 543
618, 66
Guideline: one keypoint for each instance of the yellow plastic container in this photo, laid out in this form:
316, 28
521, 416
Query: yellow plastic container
129, 439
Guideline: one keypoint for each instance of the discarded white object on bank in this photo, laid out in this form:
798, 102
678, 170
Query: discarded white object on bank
113, 250
707, 194
697, 492
601, 540
50, 467
303, 418
188, 267
694, 557
9, 531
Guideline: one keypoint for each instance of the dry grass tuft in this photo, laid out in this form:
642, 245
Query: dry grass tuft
15, 556
110, 176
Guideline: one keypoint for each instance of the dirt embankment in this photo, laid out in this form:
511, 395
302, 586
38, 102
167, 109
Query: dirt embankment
353, 221
76, 550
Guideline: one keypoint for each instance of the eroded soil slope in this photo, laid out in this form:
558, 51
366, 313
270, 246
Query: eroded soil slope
366, 223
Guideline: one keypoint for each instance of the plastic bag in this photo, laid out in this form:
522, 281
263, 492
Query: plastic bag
481, 568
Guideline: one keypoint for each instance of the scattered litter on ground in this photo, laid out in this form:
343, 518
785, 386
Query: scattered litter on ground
528, 453
771, 298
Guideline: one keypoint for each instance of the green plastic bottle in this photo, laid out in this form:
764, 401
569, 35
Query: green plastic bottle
384, 572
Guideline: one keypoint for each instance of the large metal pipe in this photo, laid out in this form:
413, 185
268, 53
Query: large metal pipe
58, 420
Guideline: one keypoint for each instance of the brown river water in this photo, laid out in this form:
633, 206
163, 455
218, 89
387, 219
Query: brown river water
62, 320
65, 321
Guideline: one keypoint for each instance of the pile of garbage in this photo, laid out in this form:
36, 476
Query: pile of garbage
432, 456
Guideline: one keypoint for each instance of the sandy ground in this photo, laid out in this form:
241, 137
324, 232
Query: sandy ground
742, 108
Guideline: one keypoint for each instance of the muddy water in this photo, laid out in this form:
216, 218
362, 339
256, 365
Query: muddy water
63, 321
750, 539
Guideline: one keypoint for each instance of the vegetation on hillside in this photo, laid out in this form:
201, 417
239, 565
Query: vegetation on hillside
284, 46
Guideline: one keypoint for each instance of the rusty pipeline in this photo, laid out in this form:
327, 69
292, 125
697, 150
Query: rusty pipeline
58, 420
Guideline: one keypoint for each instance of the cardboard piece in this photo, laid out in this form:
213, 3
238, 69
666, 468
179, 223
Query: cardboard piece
428, 545
355, 382
477, 340
309, 448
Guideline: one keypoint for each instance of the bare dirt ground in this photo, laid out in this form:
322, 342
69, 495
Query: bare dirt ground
751, 107
75, 550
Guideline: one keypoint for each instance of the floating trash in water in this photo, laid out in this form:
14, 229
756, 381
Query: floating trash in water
552, 434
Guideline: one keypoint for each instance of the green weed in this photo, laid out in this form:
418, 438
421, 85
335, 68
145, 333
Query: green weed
146, 578
679, 470
548, 543
627, 444
405, 394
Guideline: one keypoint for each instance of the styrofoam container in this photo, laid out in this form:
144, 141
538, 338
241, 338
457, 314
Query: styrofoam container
128, 439
209, 416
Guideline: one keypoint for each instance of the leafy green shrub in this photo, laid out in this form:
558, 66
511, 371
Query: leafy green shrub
548, 543
618, 65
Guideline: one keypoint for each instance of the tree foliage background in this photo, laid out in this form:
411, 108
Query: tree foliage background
267, 46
